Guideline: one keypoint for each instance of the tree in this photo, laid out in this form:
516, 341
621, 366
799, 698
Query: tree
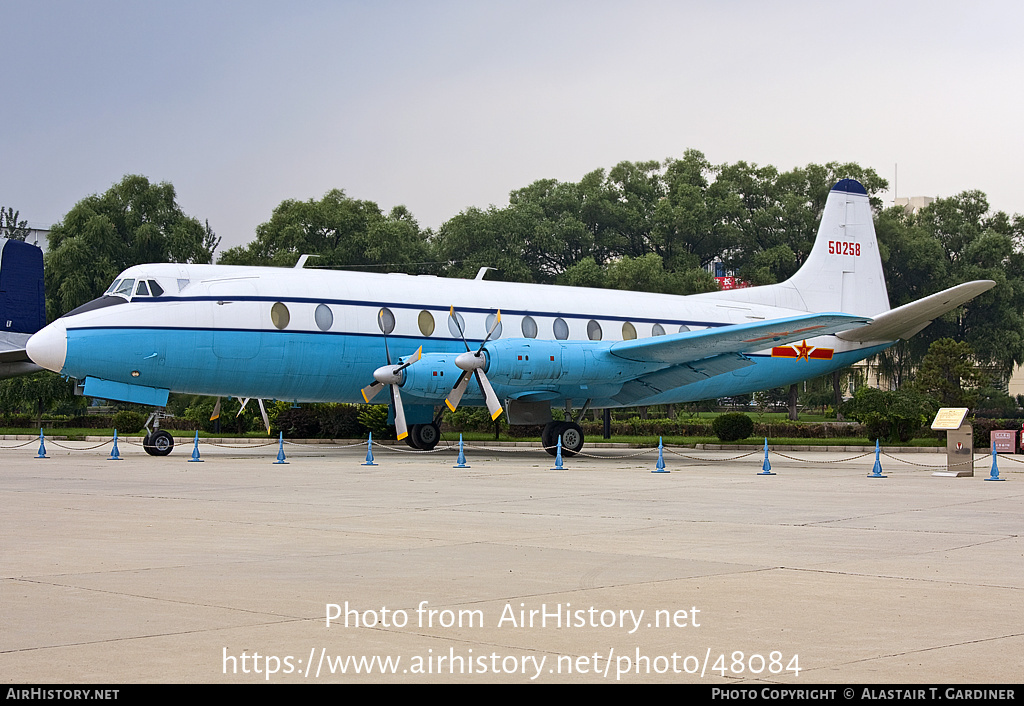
341, 231
35, 393
10, 225
949, 375
951, 241
134, 222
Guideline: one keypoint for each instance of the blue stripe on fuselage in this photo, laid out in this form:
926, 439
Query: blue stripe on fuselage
319, 367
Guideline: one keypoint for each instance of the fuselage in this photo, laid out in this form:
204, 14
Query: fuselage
316, 335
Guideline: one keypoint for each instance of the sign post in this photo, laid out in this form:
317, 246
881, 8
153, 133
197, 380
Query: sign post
959, 441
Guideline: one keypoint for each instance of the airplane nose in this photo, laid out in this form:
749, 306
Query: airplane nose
49, 346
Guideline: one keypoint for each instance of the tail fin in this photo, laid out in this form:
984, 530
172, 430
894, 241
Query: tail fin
844, 269
843, 272
22, 297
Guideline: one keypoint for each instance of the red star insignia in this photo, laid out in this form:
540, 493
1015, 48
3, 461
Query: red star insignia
803, 350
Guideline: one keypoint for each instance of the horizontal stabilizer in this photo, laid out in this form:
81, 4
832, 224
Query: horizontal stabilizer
904, 321
679, 348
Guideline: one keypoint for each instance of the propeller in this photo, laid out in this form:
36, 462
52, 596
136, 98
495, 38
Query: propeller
472, 363
391, 376
263, 411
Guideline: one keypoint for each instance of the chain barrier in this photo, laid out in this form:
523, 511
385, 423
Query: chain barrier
18, 446
449, 445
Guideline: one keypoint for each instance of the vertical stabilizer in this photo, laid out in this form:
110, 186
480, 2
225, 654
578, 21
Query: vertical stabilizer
843, 273
22, 300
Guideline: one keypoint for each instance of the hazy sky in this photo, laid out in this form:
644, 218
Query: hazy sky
445, 105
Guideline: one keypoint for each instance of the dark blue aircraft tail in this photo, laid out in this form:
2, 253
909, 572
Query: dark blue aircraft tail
22, 297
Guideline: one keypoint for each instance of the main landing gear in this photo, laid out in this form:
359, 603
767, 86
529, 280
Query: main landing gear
572, 438
157, 442
424, 437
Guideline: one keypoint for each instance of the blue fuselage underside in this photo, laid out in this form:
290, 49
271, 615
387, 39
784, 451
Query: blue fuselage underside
333, 367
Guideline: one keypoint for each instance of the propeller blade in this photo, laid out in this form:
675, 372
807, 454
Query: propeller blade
491, 399
412, 359
216, 411
242, 408
455, 396
453, 317
497, 322
396, 402
371, 390
263, 411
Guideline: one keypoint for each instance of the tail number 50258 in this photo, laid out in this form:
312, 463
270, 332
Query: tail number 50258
841, 247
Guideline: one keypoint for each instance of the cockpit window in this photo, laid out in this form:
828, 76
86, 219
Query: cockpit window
112, 287
125, 288
155, 289
143, 289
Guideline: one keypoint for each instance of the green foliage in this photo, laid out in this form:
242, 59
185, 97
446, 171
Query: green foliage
128, 422
375, 419
733, 426
134, 222
948, 374
11, 226
36, 394
340, 230
890, 416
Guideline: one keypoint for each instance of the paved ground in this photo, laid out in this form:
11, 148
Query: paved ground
159, 570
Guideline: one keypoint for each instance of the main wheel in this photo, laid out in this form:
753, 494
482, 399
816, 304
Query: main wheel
549, 437
427, 436
159, 443
412, 439
572, 438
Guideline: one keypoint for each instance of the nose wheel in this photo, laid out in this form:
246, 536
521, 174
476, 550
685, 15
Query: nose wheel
159, 443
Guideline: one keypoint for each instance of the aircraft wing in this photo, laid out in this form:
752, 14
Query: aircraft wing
13, 358
679, 348
904, 321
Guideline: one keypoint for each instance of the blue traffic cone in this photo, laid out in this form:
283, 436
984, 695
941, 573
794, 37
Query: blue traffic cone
766, 466
558, 456
42, 446
114, 454
460, 462
195, 451
660, 468
994, 473
369, 452
280, 449
876, 472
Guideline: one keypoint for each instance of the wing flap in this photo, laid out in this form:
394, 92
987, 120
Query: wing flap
904, 321
679, 348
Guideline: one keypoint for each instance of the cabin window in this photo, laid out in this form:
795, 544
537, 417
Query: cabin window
426, 322
529, 327
386, 320
683, 328
456, 324
490, 322
594, 332
324, 317
628, 331
279, 315
561, 329
657, 330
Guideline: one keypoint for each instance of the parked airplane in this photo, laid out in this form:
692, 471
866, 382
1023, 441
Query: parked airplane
317, 336
22, 304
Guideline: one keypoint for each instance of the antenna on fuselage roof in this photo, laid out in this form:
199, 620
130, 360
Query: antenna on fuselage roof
482, 272
302, 261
